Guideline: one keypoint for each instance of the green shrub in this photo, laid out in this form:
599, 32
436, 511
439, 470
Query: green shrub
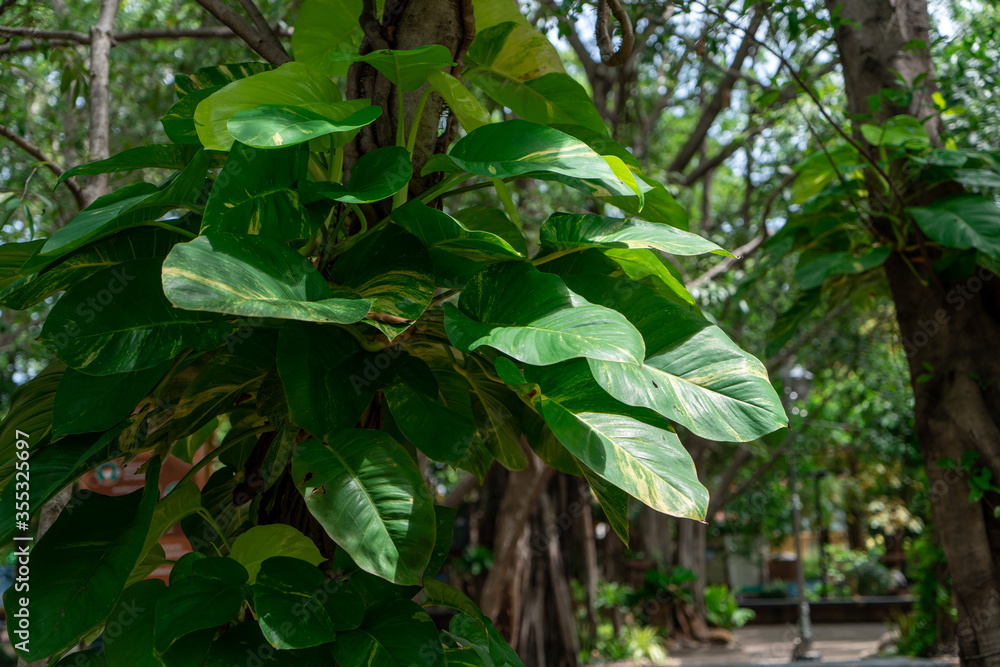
723, 610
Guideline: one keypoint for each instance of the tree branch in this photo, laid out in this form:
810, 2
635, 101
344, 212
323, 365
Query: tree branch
35, 38
609, 55
718, 101
266, 44
35, 152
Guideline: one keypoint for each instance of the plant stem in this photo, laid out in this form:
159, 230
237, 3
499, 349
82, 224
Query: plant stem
443, 186
336, 162
211, 521
367, 345
415, 125
508, 202
171, 228
555, 255
361, 216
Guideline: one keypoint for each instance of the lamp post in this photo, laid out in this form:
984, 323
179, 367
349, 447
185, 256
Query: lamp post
796, 386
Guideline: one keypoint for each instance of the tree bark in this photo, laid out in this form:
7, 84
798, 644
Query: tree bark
100, 95
950, 329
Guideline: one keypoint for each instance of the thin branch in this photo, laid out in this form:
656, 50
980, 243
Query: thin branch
34, 38
254, 13
266, 44
741, 253
35, 152
721, 96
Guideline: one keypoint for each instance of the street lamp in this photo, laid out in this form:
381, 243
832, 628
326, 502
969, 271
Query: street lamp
797, 380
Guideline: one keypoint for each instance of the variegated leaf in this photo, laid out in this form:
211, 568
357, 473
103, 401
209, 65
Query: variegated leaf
564, 231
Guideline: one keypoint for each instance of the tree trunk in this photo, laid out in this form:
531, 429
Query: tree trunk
950, 330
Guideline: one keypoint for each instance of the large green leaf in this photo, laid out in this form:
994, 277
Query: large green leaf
245, 644
323, 27
130, 206
534, 317
693, 374
551, 99
619, 443
814, 273
440, 430
613, 501
275, 125
216, 76
488, 644
27, 290
162, 156
498, 412
507, 45
392, 267
457, 251
328, 381
292, 84
470, 113
495, 221
965, 221
89, 403
262, 542
30, 412
405, 69
369, 495
377, 174
118, 320
128, 639
563, 231
255, 194
287, 589
80, 567
397, 633
205, 593
518, 147
13, 256
253, 276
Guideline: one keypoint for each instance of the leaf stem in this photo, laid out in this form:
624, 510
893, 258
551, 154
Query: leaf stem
171, 228
361, 216
367, 345
415, 125
443, 186
204, 514
555, 255
508, 202
336, 163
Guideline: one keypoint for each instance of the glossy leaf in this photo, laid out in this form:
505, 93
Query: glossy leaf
255, 194
275, 126
535, 318
619, 443
27, 290
457, 251
253, 276
405, 69
323, 27
367, 493
470, 113
216, 76
82, 564
162, 156
962, 222
292, 84
815, 273
494, 221
30, 412
397, 633
693, 374
262, 542
128, 638
88, 403
392, 267
517, 147
613, 501
287, 589
440, 430
377, 174
130, 206
207, 595
563, 231
118, 321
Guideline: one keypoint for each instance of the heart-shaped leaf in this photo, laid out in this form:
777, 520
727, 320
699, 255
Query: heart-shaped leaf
378, 174
563, 231
369, 496
406, 69
962, 222
253, 276
274, 125
534, 317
